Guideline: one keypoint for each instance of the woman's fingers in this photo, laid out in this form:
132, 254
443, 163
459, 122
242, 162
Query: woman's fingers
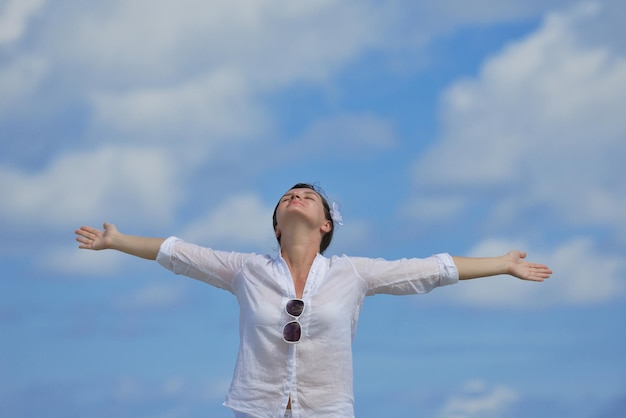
88, 237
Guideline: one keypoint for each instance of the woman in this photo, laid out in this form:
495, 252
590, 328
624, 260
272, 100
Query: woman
299, 310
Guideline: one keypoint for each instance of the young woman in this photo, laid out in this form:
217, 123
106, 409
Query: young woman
299, 310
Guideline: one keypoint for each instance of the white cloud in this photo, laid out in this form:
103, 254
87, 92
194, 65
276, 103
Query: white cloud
477, 400
14, 16
114, 182
535, 142
274, 42
173, 40
239, 220
190, 75
19, 80
191, 117
540, 126
587, 275
132, 50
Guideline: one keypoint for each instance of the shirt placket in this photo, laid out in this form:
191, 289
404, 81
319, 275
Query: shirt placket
309, 287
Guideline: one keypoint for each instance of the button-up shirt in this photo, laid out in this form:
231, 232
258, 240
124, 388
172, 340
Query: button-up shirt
315, 373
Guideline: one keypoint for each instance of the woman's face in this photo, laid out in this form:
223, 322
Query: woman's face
307, 199
301, 203
304, 200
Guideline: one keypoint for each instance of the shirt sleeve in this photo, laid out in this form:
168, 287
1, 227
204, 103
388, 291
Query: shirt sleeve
217, 268
447, 269
406, 276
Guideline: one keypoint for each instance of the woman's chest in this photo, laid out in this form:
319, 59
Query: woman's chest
330, 301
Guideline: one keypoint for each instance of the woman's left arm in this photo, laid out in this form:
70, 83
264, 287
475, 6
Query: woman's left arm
512, 263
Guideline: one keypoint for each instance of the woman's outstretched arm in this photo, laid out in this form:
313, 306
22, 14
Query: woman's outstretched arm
110, 238
512, 263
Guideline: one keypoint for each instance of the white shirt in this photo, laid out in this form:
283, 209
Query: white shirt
316, 373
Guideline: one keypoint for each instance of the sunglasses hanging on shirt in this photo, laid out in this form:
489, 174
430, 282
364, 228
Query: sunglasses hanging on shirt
292, 331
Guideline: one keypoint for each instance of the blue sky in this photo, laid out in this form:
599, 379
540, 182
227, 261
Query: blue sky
463, 127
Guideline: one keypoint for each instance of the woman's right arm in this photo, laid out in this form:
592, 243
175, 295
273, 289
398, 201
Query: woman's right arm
110, 238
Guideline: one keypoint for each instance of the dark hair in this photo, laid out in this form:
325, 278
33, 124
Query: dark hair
328, 237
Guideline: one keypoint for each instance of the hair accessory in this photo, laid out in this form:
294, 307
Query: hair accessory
335, 214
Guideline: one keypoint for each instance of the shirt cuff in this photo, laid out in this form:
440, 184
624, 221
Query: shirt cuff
447, 269
164, 257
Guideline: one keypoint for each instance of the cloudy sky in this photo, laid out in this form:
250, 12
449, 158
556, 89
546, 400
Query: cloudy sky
441, 126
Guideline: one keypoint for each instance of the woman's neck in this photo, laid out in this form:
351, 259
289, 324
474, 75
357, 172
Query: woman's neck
299, 259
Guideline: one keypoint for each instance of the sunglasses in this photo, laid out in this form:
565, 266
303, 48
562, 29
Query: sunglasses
292, 330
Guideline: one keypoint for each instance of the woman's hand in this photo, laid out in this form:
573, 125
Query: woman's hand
525, 270
95, 239
110, 238
512, 263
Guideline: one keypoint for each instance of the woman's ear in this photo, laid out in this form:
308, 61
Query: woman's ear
326, 227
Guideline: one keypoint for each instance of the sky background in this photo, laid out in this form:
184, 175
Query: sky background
438, 126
